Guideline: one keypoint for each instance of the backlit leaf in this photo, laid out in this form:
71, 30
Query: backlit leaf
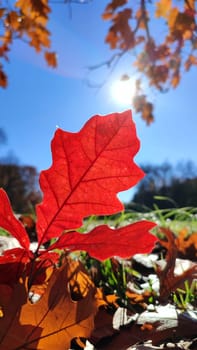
51, 59
175, 80
162, 8
103, 242
3, 79
89, 169
9, 222
13, 263
172, 17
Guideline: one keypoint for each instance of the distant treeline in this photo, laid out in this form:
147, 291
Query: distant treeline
167, 186
19, 181
21, 186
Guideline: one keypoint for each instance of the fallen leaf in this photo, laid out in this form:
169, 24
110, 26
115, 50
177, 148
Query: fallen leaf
55, 319
169, 281
165, 323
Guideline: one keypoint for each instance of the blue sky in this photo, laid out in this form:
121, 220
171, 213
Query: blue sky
38, 98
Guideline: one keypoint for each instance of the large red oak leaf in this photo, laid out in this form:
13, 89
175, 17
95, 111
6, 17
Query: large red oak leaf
89, 168
9, 222
103, 242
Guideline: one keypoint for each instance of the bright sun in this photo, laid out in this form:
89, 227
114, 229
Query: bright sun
123, 91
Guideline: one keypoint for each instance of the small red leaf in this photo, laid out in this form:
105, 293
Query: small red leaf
103, 242
9, 222
89, 169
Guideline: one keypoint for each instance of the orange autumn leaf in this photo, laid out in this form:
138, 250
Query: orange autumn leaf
187, 244
103, 300
175, 80
172, 17
114, 4
191, 60
51, 59
34, 9
55, 319
147, 327
13, 20
112, 39
162, 8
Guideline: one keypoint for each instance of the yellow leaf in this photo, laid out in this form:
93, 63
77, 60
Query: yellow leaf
162, 8
172, 17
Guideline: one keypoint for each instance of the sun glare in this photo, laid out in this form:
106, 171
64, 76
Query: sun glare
123, 91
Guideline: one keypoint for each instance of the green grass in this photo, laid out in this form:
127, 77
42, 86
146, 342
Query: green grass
3, 232
175, 219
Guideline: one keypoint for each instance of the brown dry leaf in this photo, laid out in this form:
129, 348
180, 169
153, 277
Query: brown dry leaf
110, 10
184, 22
112, 39
182, 326
13, 20
103, 326
2, 11
120, 33
5, 293
114, 4
55, 319
3, 51
3, 79
147, 113
169, 282
51, 59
